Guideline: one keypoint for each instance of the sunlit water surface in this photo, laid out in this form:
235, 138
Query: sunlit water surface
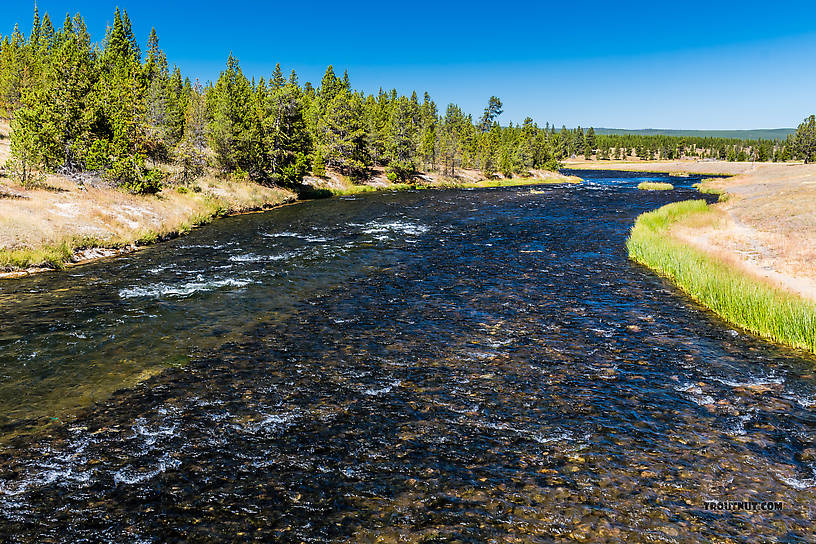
432, 366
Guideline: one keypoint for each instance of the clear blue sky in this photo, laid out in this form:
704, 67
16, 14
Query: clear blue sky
632, 64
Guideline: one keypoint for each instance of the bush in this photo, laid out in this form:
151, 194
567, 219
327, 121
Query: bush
552, 165
98, 157
129, 173
400, 171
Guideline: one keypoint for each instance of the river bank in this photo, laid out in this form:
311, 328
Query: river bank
64, 223
763, 230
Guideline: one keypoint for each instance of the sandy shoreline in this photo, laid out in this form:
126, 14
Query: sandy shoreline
767, 223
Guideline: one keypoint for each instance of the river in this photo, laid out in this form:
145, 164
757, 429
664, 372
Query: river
431, 366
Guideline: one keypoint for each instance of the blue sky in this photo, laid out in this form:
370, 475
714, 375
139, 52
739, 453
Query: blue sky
714, 65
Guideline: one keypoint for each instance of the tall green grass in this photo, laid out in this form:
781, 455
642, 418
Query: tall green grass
655, 186
735, 296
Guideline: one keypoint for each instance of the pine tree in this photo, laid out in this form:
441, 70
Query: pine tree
451, 138
191, 150
491, 112
157, 102
229, 102
25, 160
591, 143
338, 129
403, 127
277, 81
804, 141
428, 135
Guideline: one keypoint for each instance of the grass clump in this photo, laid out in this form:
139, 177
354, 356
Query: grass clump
735, 296
50, 256
706, 189
655, 186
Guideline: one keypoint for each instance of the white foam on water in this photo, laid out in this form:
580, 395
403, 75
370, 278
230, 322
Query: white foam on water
298, 235
159, 290
269, 423
130, 475
799, 484
542, 439
387, 389
160, 269
480, 355
739, 427
150, 436
284, 234
404, 227
750, 383
695, 394
255, 258
805, 402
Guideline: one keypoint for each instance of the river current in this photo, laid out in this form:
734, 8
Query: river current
431, 366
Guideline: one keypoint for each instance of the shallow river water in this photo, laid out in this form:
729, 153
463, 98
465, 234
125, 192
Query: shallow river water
432, 366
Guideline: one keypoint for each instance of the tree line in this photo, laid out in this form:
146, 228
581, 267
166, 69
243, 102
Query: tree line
110, 111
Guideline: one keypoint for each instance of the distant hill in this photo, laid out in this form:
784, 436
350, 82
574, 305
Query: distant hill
756, 134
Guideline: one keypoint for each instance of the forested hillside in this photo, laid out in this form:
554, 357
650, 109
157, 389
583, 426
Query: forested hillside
754, 134
112, 113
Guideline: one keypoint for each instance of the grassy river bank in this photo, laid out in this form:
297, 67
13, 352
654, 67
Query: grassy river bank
750, 258
739, 298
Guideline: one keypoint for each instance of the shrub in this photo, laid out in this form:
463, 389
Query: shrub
129, 173
552, 165
401, 171
98, 156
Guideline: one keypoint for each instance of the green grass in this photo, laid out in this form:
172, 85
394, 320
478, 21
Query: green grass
738, 298
703, 188
655, 186
50, 255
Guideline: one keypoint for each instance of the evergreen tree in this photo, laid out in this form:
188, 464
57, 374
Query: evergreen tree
403, 127
590, 142
191, 151
804, 141
338, 129
229, 103
491, 112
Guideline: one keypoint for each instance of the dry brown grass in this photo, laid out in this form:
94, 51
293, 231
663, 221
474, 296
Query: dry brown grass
670, 167
76, 217
770, 224
339, 184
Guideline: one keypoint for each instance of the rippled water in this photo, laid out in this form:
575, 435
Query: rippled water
437, 366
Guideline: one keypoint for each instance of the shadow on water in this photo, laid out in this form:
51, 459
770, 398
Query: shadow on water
431, 366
